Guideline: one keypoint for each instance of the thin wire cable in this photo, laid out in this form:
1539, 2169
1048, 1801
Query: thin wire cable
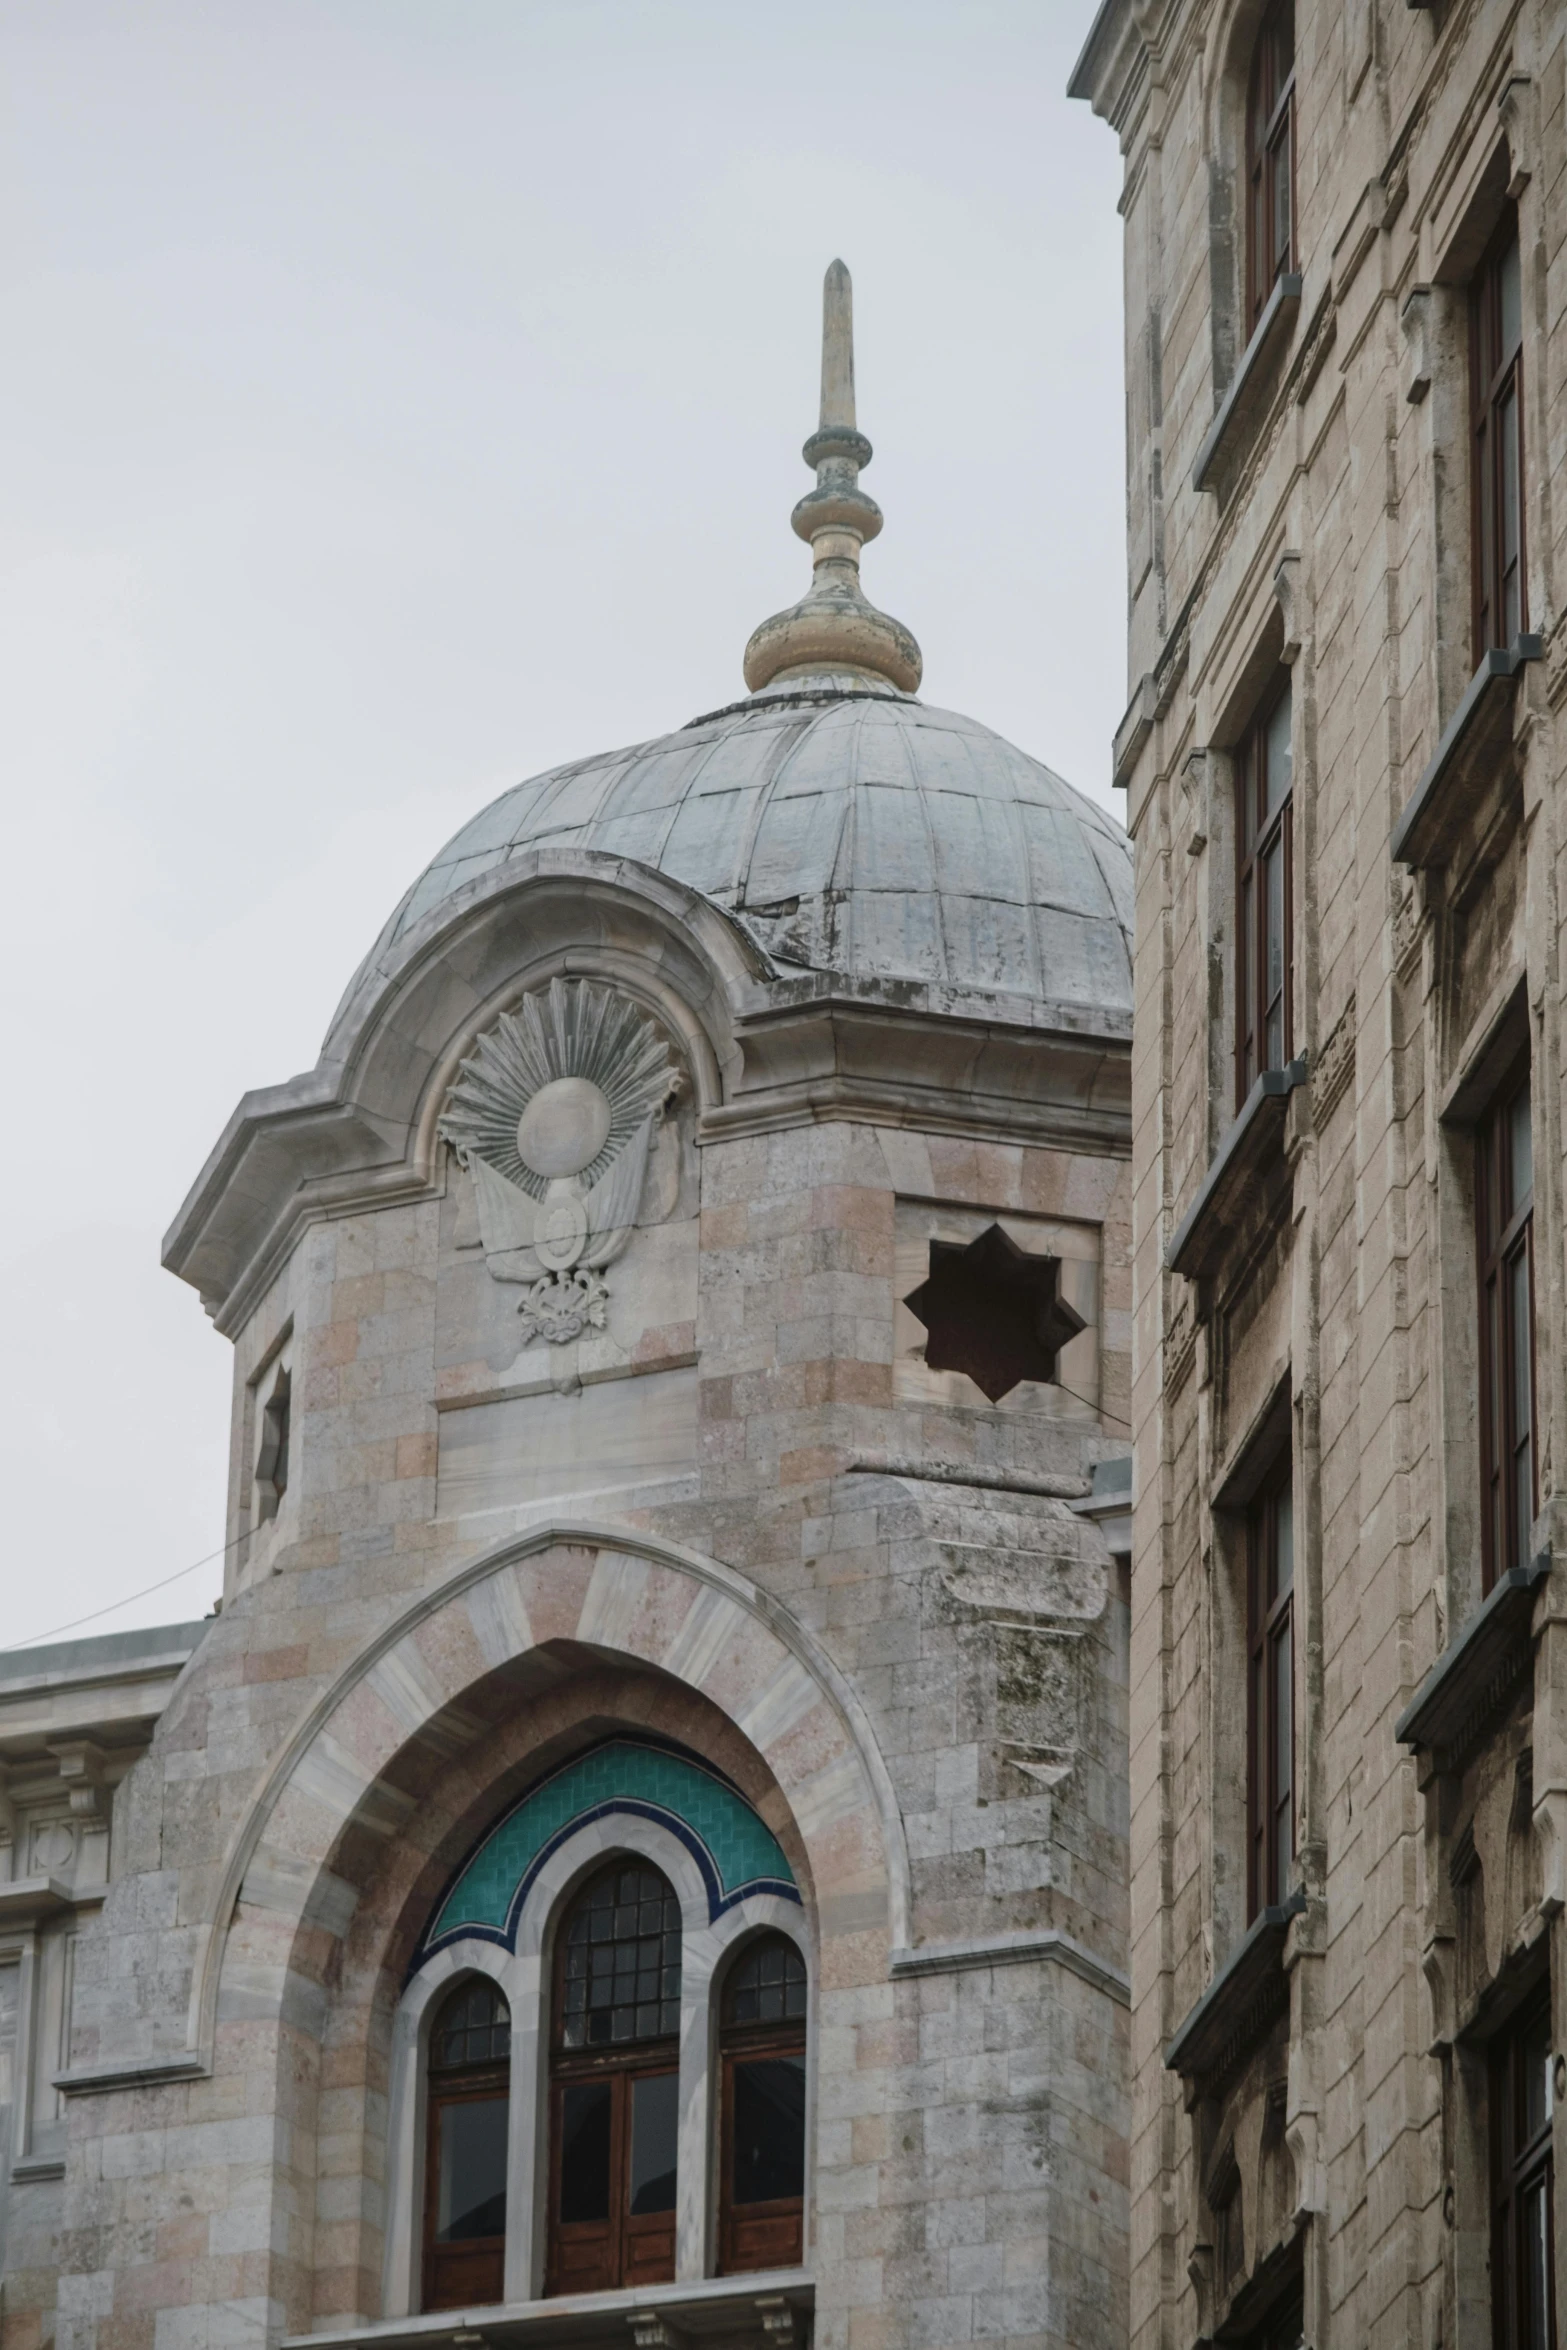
36, 1639
1093, 1406
130, 1599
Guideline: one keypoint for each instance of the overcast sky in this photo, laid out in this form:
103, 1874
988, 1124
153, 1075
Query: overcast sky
402, 396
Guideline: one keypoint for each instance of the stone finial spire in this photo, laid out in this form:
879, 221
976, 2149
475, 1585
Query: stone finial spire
834, 634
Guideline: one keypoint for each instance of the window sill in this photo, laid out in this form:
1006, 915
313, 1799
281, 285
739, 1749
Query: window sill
1241, 404
1465, 760
1247, 1995
27, 1899
1227, 1197
1476, 1674
771, 2307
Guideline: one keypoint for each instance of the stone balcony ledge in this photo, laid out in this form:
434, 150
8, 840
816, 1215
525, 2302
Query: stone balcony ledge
772, 2307
1476, 1673
1247, 1994
1237, 1182
1466, 759
1241, 405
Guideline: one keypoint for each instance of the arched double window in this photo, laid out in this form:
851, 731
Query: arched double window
615, 2084
465, 2166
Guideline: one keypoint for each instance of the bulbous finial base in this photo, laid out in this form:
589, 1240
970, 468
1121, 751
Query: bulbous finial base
834, 632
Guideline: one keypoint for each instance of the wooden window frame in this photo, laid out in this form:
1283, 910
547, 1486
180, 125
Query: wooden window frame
1521, 2168
1270, 1624
1257, 831
755, 2236
479, 2262
1270, 159
1502, 1242
1496, 377
636, 2248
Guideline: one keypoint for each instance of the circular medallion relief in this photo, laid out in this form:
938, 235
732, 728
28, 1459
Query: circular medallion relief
564, 1127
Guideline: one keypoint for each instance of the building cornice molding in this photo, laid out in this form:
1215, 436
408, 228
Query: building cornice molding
767, 1048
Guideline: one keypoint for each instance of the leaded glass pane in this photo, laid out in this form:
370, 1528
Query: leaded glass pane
474, 2027
622, 1961
767, 1985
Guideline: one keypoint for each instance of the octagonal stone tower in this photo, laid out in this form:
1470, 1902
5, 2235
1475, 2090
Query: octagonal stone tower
645, 1841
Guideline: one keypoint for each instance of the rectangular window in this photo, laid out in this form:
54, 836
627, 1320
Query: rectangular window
1270, 1709
1265, 926
1270, 158
1523, 2294
1496, 359
1504, 1214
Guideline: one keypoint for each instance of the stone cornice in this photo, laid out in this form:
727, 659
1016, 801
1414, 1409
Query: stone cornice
767, 1048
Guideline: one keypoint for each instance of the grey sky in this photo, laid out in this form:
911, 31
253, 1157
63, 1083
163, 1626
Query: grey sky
402, 396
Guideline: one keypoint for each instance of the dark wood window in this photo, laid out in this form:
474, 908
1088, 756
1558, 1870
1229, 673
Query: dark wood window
1264, 920
615, 2084
465, 2161
1496, 346
1270, 1709
1270, 158
1523, 2293
762, 2151
1504, 1209
1283, 2329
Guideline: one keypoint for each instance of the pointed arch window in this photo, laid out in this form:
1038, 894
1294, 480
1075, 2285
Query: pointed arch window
465, 2168
614, 2084
762, 2151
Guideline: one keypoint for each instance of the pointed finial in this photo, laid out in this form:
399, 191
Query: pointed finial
837, 348
834, 635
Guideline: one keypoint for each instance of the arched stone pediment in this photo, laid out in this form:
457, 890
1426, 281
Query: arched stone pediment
343, 1785
360, 1128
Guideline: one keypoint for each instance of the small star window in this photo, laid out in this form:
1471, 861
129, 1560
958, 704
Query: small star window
994, 1312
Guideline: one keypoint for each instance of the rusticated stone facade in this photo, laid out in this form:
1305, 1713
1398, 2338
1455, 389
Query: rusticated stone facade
1323, 2145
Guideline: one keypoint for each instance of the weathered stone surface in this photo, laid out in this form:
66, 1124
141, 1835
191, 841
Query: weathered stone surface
1325, 1305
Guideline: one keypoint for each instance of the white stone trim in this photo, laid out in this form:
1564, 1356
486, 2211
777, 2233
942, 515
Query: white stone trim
860, 1780
402, 2272
525, 1975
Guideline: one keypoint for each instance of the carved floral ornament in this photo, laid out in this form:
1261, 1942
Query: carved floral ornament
553, 1116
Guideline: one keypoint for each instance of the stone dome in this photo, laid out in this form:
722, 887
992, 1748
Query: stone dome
852, 830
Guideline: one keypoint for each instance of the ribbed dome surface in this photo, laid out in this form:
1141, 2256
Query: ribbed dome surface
861, 834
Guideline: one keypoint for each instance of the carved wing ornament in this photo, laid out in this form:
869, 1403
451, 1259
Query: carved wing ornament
553, 1115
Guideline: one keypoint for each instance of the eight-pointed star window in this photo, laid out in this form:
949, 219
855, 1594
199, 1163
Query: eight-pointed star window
993, 1311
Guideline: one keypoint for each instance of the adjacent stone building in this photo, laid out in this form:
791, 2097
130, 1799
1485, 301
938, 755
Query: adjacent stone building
1346, 336
641, 1852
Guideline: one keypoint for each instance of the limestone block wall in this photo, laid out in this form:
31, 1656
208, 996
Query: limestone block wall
746, 1516
1331, 541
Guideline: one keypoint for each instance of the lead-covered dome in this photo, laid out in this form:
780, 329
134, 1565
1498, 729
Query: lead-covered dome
853, 831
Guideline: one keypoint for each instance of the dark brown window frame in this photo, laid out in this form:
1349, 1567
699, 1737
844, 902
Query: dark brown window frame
756, 2235
470, 2272
1504, 1240
1258, 829
1522, 2175
626, 2249
1270, 157
1496, 379
1270, 1629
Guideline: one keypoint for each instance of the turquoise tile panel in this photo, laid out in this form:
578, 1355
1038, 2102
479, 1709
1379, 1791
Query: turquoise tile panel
736, 1852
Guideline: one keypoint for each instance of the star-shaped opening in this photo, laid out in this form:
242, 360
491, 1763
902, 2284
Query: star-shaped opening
993, 1311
